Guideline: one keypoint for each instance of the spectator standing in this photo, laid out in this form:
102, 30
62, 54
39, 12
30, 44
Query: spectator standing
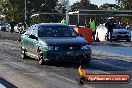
12, 24
109, 25
64, 21
92, 25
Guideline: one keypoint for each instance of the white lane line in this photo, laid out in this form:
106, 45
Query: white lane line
65, 78
1, 86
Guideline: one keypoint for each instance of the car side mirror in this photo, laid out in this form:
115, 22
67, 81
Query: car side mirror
33, 37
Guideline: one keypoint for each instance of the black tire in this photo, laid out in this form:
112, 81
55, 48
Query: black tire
128, 40
85, 62
40, 57
23, 53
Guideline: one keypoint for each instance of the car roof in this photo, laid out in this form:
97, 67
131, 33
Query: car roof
50, 24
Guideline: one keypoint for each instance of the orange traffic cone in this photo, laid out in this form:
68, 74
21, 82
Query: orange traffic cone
97, 38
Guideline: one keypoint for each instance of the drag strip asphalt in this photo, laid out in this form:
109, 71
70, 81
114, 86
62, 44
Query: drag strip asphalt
29, 74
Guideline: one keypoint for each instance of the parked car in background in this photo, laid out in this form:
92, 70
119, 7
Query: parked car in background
3, 27
119, 33
130, 28
51, 42
15, 28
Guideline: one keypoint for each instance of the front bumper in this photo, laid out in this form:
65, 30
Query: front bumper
121, 37
67, 55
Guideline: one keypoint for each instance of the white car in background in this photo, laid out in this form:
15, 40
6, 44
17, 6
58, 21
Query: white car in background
3, 27
15, 28
119, 33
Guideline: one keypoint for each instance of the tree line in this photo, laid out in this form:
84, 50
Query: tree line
15, 9
125, 5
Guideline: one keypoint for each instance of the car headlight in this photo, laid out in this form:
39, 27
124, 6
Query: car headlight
115, 33
85, 47
56, 48
51, 48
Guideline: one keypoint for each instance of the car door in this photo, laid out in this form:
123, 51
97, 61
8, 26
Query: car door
34, 42
26, 40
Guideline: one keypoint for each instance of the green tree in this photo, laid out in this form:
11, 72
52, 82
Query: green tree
125, 5
14, 9
107, 6
62, 6
41, 6
75, 6
1, 7
83, 4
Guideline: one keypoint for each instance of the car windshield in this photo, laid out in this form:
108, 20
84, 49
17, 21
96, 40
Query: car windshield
119, 27
56, 31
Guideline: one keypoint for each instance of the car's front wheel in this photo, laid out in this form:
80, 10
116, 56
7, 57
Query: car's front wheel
40, 57
128, 40
85, 61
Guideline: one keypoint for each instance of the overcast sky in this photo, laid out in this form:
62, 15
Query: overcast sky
97, 2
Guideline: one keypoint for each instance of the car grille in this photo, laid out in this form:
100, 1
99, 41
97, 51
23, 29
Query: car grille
70, 47
122, 32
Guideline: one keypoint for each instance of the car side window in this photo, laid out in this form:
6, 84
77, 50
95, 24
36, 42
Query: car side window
34, 31
28, 32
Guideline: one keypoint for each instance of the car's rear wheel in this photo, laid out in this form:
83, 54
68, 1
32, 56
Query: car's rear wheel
128, 40
85, 60
23, 53
40, 57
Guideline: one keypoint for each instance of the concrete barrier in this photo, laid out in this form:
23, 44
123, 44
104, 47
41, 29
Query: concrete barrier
10, 36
